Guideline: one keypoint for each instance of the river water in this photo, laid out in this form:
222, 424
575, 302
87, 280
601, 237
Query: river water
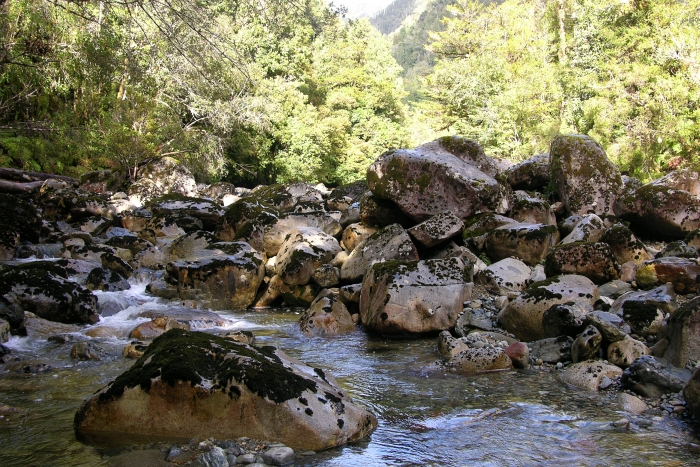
426, 417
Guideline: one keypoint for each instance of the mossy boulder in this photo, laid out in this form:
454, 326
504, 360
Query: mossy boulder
327, 316
439, 228
378, 212
304, 250
390, 243
582, 176
276, 233
530, 174
593, 260
163, 176
625, 245
354, 234
190, 245
528, 242
225, 279
208, 212
588, 228
43, 288
413, 297
20, 222
444, 175
523, 316
194, 385
533, 211
663, 208
684, 334
505, 276
246, 218
683, 273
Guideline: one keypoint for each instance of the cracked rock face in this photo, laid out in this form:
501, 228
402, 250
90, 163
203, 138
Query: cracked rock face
190, 384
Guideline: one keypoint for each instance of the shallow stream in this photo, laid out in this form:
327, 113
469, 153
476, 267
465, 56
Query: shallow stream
426, 417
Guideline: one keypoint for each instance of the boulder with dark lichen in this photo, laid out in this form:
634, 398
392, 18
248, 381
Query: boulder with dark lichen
276, 233
684, 334
327, 316
437, 229
390, 243
624, 245
583, 177
593, 260
208, 212
449, 174
652, 377
378, 212
667, 208
19, 222
523, 316
413, 297
194, 385
163, 176
43, 288
588, 228
683, 273
528, 242
303, 251
530, 174
533, 211
226, 279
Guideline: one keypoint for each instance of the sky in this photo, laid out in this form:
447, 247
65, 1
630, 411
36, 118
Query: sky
360, 8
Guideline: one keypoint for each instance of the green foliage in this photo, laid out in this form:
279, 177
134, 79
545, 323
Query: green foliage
513, 74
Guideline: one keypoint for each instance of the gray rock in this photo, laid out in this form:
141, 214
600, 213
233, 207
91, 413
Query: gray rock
623, 352
437, 229
528, 242
611, 326
530, 174
552, 350
652, 377
684, 334
588, 229
214, 458
565, 319
304, 250
590, 374
586, 345
507, 275
280, 455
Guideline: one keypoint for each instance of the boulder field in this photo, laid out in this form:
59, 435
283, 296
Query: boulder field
589, 271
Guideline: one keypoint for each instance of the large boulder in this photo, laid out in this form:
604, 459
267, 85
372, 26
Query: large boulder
624, 245
449, 174
691, 394
588, 229
413, 297
275, 235
593, 260
19, 222
459, 356
390, 243
667, 208
530, 174
590, 374
247, 217
523, 316
43, 288
227, 279
533, 211
505, 276
528, 242
162, 176
583, 177
304, 250
651, 377
684, 334
327, 316
194, 385
206, 211
437, 229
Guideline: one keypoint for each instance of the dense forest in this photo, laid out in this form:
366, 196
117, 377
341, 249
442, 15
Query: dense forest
260, 91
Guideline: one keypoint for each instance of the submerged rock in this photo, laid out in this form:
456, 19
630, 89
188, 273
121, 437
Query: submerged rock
191, 384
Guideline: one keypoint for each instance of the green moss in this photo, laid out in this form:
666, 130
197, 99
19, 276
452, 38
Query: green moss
183, 356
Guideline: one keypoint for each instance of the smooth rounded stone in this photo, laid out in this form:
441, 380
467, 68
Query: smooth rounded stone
214, 458
354, 234
523, 315
589, 228
43, 288
666, 208
507, 275
683, 273
593, 260
85, 351
449, 174
625, 245
644, 318
614, 289
582, 176
479, 360
280, 455
154, 328
530, 174
586, 345
527, 242
134, 350
413, 297
73, 242
205, 386
35, 327
151, 258
326, 276
589, 374
691, 394
327, 316
538, 274
628, 272
565, 319
4, 331
533, 211
684, 334
553, 350
623, 352
611, 326
244, 337
519, 353
390, 243
437, 229
652, 377
632, 404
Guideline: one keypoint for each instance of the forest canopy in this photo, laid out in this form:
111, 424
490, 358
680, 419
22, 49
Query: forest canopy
262, 91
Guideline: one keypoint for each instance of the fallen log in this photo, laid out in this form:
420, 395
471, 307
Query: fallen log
7, 186
24, 176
